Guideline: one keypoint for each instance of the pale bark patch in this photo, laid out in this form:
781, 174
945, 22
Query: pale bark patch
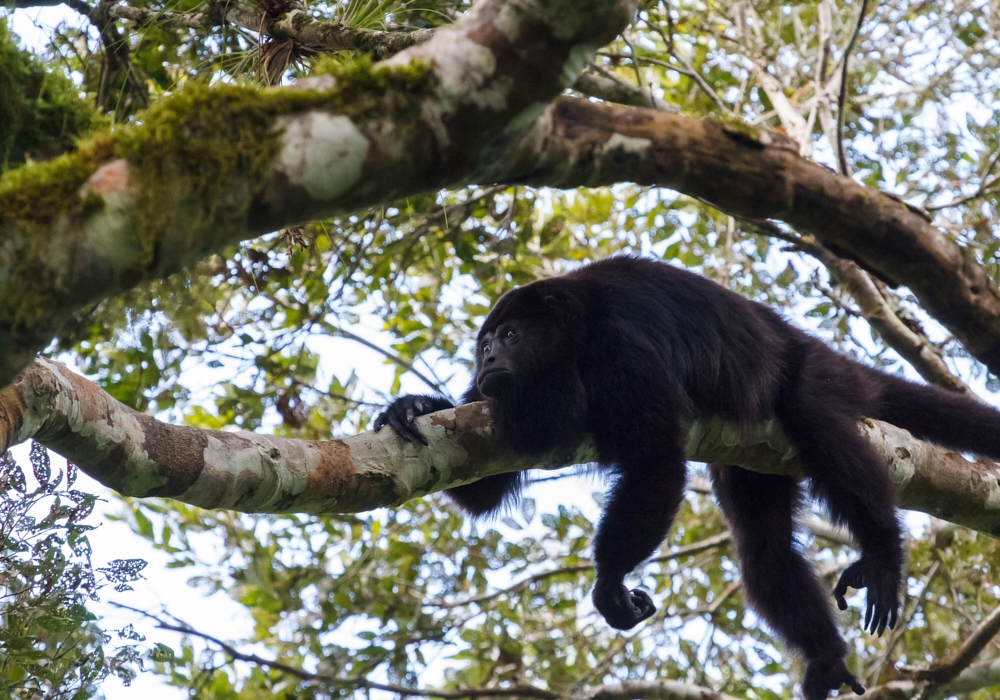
323, 153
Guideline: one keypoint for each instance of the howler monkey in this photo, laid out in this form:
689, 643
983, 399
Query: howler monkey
630, 350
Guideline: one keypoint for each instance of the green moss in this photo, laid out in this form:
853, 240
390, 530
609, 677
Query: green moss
41, 112
31, 201
203, 143
738, 129
198, 157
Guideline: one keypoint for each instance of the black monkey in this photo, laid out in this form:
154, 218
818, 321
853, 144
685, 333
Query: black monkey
630, 350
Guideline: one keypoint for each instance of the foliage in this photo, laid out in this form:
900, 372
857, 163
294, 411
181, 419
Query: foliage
51, 644
41, 112
269, 335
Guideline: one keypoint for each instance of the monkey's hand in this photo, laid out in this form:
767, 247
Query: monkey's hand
826, 674
883, 593
622, 609
400, 413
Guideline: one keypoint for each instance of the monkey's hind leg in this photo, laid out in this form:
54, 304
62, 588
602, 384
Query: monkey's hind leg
847, 474
778, 582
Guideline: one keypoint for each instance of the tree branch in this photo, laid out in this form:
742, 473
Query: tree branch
630, 690
946, 670
525, 691
316, 160
977, 677
139, 456
687, 550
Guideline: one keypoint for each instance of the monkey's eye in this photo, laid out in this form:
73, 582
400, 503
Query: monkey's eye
510, 334
486, 349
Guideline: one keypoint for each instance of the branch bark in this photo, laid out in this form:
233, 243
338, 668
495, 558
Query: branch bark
139, 456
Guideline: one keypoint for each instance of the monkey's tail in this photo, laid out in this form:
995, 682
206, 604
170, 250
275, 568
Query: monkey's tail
938, 415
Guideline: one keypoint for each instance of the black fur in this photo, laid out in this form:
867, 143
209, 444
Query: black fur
630, 350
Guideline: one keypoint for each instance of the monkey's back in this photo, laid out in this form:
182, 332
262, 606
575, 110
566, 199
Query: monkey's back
728, 355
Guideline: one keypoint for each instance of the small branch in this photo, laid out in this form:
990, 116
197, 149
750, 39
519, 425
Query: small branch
845, 170
609, 87
977, 677
687, 550
232, 652
690, 71
389, 355
915, 348
948, 669
985, 184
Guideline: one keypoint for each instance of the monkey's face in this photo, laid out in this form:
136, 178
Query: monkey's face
524, 345
501, 358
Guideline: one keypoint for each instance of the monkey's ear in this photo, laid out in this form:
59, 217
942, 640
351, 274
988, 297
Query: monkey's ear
552, 303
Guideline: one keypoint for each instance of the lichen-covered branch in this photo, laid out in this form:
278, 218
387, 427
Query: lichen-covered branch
211, 166
139, 456
755, 174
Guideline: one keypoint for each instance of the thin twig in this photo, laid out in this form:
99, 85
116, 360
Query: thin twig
945, 670
232, 652
984, 186
694, 548
841, 155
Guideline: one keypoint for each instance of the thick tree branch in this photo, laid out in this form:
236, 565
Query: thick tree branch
755, 174
139, 456
336, 145
209, 167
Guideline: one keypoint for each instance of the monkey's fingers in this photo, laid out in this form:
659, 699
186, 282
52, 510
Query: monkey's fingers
852, 577
406, 429
644, 605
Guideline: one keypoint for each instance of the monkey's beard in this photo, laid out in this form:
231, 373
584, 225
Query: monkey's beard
537, 414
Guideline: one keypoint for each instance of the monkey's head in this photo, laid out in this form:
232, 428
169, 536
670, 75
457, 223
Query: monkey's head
527, 365
527, 340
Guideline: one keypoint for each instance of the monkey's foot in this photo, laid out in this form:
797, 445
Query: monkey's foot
882, 583
826, 674
622, 609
